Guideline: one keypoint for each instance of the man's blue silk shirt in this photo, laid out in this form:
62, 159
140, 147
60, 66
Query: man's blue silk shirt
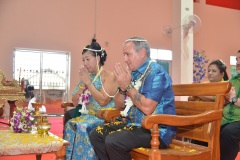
157, 86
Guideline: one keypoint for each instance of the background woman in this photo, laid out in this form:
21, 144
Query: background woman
216, 73
94, 92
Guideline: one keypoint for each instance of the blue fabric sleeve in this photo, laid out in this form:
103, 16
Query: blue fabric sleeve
156, 85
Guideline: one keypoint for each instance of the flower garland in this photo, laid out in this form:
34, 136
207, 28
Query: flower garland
85, 96
22, 121
84, 100
137, 85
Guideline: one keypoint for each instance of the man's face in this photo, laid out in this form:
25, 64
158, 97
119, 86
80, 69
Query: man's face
238, 63
131, 57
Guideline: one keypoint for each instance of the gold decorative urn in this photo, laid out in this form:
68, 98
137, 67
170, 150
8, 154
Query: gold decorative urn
43, 126
37, 107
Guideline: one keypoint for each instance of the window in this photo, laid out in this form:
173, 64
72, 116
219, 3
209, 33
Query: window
233, 65
163, 57
45, 70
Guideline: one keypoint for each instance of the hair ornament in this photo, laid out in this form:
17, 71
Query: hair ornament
94, 50
222, 61
136, 40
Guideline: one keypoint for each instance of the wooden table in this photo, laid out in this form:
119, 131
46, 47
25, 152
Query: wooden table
31, 143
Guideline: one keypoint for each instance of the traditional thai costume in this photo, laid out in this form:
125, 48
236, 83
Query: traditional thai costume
78, 129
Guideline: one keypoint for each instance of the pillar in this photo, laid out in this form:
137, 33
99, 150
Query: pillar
182, 70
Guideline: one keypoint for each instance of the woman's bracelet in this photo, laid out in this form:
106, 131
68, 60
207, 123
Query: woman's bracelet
81, 87
84, 87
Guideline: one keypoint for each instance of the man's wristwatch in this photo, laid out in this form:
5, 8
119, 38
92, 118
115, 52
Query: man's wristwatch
234, 100
129, 87
121, 91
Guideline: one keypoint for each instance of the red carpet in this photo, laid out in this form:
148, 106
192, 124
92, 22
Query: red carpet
29, 157
56, 128
57, 125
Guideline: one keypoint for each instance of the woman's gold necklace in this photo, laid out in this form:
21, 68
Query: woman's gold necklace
96, 76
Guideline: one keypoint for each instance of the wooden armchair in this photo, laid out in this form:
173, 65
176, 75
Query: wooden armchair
194, 120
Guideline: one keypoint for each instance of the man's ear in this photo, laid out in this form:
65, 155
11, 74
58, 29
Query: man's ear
98, 59
143, 52
222, 75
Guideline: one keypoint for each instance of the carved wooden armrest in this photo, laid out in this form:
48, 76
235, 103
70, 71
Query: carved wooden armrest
67, 104
175, 120
109, 115
64, 105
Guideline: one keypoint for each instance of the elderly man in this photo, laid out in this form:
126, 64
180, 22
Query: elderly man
144, 88
230, 129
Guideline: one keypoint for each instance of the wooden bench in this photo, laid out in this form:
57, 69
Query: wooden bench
194, 120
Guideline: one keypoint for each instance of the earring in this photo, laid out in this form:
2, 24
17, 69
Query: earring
102, 54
